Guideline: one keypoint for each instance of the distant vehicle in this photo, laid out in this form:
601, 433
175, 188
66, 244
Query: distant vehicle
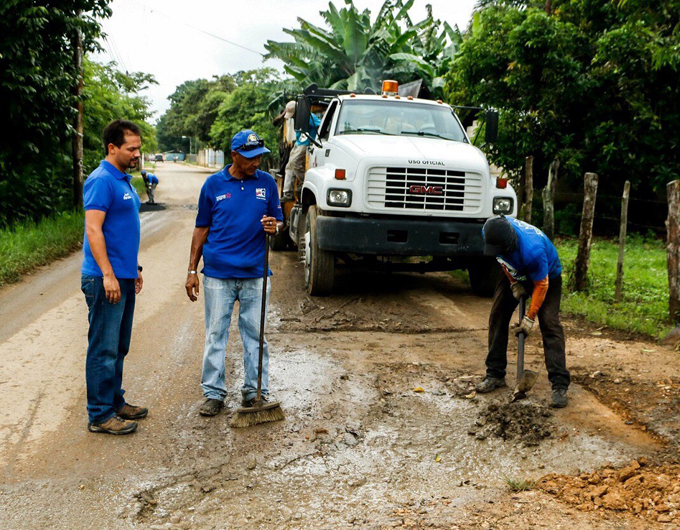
158, 158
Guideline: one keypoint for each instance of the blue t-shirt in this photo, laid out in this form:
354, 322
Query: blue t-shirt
153, 179
314, 123
535, 257
109, 190
233, 210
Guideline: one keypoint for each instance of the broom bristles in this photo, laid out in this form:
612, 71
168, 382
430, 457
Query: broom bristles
249, 419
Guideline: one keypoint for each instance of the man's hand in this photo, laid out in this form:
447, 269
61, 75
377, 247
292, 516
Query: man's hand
525, 326
269, 224
139, 282
112, 289
518, 290
192, 287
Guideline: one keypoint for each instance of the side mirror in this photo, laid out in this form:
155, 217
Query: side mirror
303, 109
491, 135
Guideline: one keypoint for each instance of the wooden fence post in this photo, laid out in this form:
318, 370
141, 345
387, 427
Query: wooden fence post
673, 249
549, 200
586, 234
622, 241
528, 188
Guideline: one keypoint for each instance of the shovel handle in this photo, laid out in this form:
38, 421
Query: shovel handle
520, 340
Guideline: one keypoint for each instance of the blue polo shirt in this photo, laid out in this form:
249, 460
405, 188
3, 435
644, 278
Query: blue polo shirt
109, 190
153, 179
535, 257
233, 210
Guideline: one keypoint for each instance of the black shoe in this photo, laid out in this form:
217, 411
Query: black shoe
489, 384
211, 407
250, 403
559, 398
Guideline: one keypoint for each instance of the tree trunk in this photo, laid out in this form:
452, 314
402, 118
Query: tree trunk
549, 200
673, 249
77, 145
528, 188
586, 234
622, 241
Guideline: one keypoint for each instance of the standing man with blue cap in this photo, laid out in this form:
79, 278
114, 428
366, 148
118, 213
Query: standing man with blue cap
532, 268
236, 208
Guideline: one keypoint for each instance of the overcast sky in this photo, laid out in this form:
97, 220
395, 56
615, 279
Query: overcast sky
168, 39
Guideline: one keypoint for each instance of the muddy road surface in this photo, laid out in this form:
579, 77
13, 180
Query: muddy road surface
382, 430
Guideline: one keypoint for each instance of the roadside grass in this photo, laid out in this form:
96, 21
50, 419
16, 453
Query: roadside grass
29, 245
644, 307
516, 485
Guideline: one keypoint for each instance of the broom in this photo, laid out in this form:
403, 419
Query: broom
260, 412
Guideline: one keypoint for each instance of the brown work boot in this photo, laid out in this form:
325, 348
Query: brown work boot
131, 412
114, 425
211, 407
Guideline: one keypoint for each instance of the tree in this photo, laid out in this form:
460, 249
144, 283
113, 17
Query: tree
585, 82
354, 53
37, 77
111, 94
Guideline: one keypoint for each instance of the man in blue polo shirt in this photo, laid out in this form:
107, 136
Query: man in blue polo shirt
531, 267
237, 205
111, 277
150, 183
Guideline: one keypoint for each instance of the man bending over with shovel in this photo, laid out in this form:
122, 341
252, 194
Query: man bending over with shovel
532, 268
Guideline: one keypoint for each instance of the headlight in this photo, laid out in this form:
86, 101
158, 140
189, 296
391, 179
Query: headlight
339, 198
502, 205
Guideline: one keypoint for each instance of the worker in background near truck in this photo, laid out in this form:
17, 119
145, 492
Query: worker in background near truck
287, 138
111, 278
295, 169
236, 207
150, 183
532, 268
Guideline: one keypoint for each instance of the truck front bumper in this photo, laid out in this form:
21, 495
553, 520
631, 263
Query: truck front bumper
400, 237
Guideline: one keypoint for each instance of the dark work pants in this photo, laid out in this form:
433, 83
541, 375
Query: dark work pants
504, 305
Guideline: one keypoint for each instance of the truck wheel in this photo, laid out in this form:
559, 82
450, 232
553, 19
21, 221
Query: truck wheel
484, 277
319, 264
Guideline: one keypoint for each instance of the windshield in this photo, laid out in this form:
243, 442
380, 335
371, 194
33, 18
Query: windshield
397, 118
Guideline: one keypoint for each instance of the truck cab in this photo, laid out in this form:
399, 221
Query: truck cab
391, 179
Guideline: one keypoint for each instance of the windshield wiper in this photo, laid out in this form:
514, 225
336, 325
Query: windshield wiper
364, 129
423, 133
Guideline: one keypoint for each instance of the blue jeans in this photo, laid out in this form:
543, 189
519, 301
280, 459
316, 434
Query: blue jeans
220, 296
108, 344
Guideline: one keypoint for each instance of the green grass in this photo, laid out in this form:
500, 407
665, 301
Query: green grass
30, 245
516, 485
644, 308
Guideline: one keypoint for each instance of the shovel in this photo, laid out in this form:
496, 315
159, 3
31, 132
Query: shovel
526, 379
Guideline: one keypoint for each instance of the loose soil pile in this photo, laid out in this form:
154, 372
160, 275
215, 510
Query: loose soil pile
527, 422
648, 492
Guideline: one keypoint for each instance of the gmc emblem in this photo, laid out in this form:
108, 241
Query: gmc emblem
426, 190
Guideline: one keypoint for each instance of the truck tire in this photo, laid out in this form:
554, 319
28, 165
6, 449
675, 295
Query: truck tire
319, 264
484, 276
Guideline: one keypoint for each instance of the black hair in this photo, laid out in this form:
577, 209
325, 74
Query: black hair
114, 133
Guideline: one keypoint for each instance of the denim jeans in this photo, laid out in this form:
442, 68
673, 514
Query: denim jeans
108, 344
504, 305
220, 296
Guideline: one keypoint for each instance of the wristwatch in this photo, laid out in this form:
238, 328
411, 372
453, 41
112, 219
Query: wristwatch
191, 272
140, 268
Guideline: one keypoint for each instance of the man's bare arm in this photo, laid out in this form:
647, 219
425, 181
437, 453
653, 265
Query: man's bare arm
198, 239
94, 221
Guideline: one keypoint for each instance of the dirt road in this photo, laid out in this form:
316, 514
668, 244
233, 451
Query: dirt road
382, 430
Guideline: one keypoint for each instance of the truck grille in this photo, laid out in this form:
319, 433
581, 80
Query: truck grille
426, 189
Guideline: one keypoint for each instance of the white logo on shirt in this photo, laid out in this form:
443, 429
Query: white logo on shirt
220, 198
127, 196
261, 193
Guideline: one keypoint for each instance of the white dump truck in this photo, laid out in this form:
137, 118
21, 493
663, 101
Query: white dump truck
391, 178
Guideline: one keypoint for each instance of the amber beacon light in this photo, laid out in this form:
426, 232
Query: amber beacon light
390, 88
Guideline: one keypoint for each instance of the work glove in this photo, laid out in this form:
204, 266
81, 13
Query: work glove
518, 290
525, 326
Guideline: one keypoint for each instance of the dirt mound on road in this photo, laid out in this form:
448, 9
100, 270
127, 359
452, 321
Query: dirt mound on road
649, 492
529, 423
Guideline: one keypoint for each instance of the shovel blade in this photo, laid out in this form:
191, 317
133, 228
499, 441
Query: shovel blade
524, 384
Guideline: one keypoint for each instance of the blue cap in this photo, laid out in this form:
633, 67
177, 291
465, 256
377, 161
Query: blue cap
248, 144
